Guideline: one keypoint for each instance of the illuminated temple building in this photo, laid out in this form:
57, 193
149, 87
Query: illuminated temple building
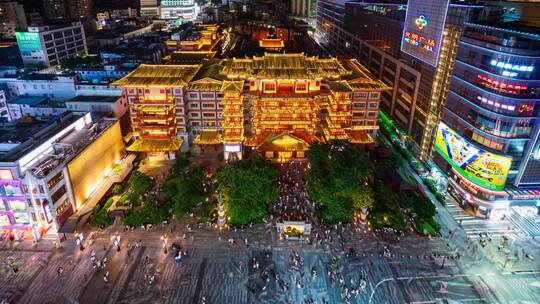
276, 103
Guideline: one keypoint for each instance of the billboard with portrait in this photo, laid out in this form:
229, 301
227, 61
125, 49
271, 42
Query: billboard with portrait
423, 29
482, 168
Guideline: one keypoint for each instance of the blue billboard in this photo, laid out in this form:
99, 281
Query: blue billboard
423, 30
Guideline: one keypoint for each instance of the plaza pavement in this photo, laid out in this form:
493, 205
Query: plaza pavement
222, 273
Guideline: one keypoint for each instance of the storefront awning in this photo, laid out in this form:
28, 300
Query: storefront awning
208, 137
156, 145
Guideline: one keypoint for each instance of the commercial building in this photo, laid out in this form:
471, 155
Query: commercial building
301, 8
47, 45
178, 9
491, 118
470, 105
49, 176
277, 103
12, 18
149, 8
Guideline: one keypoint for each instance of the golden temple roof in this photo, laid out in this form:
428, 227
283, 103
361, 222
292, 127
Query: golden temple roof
187, 57
284, 142
284, 66
160, 75
233, 86
208, 137
339, 86
271, 43
362, 80
156, 145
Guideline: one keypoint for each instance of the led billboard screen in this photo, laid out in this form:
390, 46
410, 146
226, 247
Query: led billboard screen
485, 169
423, 29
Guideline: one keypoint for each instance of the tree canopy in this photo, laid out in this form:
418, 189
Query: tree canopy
339, 180
188, 192
247, 186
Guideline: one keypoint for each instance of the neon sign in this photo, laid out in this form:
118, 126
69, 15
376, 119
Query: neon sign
500, 85
514, 67
496, 104
421, 22
419, 40
423, 29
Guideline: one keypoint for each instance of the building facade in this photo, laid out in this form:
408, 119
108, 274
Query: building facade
41, 181
479, 101
149, 8
178, 9
301, 8
273, 103
47, 46
12, 18
493, 105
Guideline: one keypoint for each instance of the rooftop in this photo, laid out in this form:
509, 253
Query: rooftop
183, 57
110, 99
22, 130
40, 76
32, 135
284, 66
29, 100
160, 75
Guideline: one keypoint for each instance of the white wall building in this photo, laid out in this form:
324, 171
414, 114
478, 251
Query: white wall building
35, 106
59, 87
46, 46
104, 104
174, 9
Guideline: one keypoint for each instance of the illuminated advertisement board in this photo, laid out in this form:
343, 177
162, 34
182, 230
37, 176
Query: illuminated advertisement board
423, 30
484, 169
30, 47
4, 219
10, 188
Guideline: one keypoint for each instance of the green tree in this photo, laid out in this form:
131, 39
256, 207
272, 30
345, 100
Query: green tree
339, 180
248, 186
150, 213
186, 191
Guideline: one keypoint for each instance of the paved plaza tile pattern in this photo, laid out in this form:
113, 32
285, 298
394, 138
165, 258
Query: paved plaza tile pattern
216, 272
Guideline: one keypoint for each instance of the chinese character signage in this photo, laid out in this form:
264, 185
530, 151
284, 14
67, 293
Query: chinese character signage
423, 30
484, 169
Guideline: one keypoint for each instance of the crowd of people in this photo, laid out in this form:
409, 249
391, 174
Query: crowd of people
293, 203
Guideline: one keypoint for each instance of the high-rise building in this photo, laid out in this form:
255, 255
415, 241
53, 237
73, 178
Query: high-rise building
47, 45
301, 8
474, 111
149, 8
79, 9
175, 9
491, 117
55, 9
12, 18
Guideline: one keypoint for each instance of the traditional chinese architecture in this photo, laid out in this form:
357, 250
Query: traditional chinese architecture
276, 103
155, 94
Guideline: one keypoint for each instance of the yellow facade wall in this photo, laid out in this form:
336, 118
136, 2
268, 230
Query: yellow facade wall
89, 168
